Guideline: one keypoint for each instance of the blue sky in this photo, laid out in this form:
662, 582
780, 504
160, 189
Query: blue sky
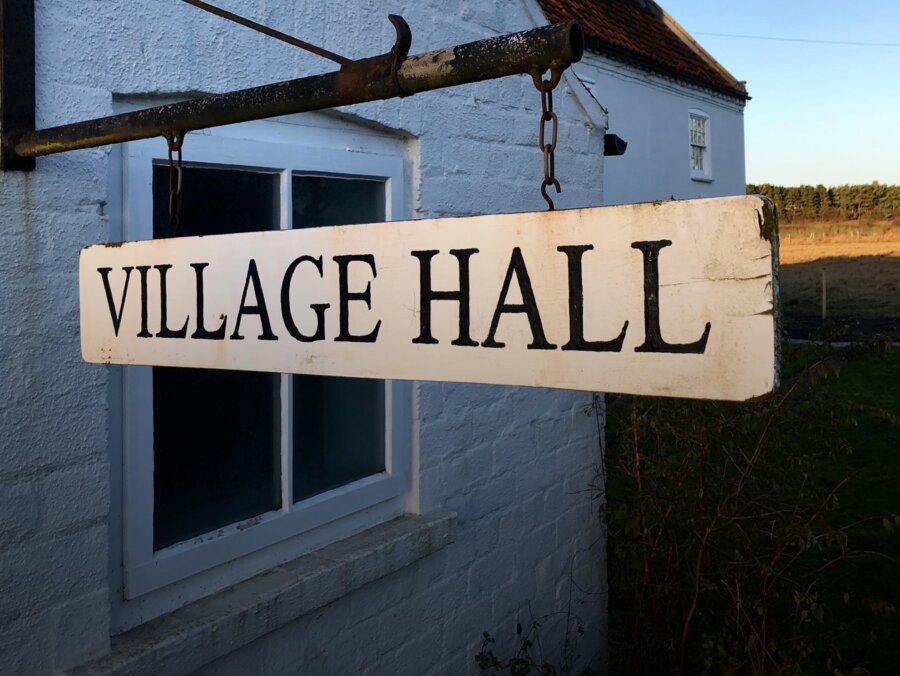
820, 113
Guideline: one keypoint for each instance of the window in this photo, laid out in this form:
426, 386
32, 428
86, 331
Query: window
701, 167
238, 471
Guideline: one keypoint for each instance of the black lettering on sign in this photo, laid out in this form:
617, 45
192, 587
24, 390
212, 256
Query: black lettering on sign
576, 307
202, 333
145, 330
258, 309
164, 330
346, 296
653, 340
528, 306
319, 308
427, 295
116, 317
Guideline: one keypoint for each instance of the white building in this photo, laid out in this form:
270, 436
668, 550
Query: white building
166, 522
678, 109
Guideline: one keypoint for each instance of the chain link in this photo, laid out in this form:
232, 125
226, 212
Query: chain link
175, 140
545, 87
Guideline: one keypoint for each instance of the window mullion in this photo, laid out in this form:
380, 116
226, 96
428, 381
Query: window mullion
287, 382
286, 202
287, 443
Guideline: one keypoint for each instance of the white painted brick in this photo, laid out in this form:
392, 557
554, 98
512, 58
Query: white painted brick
537, 545
46, 573
464, 472
416, 655
23, 644
490, 453
461, 553
570, 524
510, 598
81, 629
53, 502
468, 622
494, 495
511, 526
21, 512
535, 475
490, 571
487, 535
532, 509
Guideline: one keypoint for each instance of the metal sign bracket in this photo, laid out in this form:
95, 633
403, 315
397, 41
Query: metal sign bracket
394, 74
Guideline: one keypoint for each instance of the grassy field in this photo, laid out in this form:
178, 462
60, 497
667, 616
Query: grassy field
861, 263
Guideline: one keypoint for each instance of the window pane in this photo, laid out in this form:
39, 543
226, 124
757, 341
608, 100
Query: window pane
338, 422
216, 446
696, 158
698, 131
216, 201
338, 432
320, 200
216, 434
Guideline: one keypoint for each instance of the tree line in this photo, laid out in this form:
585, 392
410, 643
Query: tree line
869, 201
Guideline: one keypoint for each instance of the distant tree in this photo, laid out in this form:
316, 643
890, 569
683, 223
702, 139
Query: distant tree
821, 201
844, 202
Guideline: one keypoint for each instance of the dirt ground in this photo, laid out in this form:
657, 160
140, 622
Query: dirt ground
862, 277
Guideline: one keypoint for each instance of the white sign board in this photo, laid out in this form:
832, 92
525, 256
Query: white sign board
669, 298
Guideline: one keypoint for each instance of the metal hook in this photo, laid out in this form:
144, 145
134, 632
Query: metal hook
555, 183
400, 50
175, 139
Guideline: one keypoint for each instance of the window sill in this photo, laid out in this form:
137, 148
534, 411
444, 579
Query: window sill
186, 639
702, 179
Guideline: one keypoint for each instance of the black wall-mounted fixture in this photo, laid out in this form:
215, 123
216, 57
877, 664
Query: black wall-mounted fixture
613, 146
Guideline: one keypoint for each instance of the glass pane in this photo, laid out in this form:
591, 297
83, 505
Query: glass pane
216, 201
338, 422
696, 158
216, 434
216, 440
321, 200
338, 432
698, 131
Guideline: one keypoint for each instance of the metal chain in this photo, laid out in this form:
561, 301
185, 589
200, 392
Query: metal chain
175, 139
546, 87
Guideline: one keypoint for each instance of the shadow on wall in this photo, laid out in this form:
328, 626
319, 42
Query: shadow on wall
860, 291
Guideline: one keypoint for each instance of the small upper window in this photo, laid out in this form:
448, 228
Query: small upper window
701, 167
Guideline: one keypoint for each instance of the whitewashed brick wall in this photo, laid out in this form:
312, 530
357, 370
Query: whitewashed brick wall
513, 463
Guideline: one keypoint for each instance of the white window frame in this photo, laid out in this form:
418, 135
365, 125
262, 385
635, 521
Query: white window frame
237, 551
705, 174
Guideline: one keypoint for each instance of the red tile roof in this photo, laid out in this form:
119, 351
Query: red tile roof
639, 32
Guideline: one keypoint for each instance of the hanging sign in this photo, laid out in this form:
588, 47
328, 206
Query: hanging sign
669, 298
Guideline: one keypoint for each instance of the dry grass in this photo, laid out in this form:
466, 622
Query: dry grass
841, 232
861, 264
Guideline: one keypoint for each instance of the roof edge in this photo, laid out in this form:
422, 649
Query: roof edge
630, 58
740, 86
594, 113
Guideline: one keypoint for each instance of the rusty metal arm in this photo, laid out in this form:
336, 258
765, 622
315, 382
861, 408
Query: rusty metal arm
380, 77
